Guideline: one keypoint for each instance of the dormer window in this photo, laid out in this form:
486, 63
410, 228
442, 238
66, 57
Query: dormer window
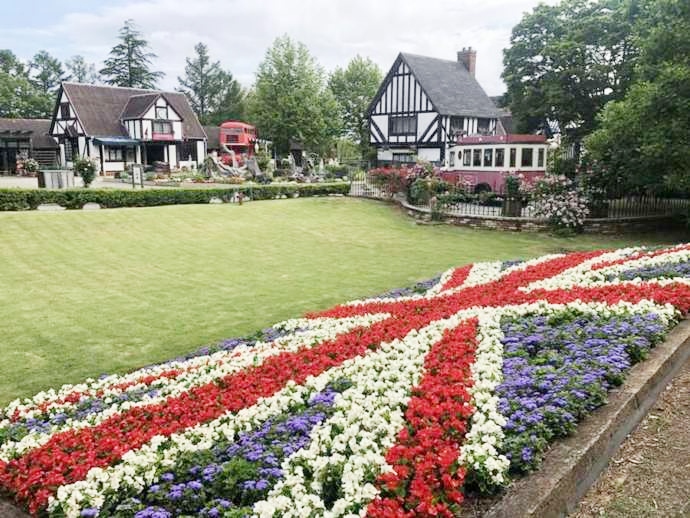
162, 127
162, 112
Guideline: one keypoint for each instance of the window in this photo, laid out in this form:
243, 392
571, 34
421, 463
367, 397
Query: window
402, 125
64, 111
189, 150
161, 112
403, 157
540, 158
451, 159
113, 154
70, 149
513, 156
467, 158
526, 157
162, 127
483, 126
456, 125
500, 157
488, 157
477, 157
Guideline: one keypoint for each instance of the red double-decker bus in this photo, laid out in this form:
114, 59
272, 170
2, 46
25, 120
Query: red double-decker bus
239, 137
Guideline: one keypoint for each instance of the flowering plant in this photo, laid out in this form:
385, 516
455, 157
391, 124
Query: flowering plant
380, 407
561, 202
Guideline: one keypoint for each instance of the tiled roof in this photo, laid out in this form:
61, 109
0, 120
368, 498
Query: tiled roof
450, 87
37, 130
100, 108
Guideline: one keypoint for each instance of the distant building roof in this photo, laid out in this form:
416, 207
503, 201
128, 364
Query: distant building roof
450, 87
36, 129
100, 108
213, 134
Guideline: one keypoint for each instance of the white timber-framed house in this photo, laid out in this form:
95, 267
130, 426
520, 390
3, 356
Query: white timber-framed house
117, 126
424, 104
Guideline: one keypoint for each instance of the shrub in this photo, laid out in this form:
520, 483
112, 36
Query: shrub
27, 199
85, 168
561, 202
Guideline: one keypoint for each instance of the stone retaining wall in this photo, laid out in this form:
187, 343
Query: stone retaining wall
591, 226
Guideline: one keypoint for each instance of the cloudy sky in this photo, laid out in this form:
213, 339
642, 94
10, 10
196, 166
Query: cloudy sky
239, 32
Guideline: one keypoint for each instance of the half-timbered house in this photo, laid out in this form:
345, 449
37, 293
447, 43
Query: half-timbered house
120, 126
425, 103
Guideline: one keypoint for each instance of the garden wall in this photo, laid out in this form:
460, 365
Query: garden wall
593, 226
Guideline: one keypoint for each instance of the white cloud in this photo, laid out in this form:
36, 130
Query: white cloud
239, 32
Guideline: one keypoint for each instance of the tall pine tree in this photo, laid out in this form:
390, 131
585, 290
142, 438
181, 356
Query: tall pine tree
202, 83
129, 63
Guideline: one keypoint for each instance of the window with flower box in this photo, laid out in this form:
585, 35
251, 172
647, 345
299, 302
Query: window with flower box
162, 127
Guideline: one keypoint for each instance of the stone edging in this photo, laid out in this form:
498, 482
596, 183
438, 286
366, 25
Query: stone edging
575, 463
591, 225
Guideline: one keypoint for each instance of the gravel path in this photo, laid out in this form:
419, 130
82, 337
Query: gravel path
650, 474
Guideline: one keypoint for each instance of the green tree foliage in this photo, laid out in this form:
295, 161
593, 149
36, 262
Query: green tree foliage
213, 93
644, 139
231, 101
46, 72
129, 63
80, 71
290, 100
354, 87
19, 96
566, 61
202, 82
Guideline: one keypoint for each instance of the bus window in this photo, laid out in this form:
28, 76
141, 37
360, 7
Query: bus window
513, 157
467, 158
540, 158
526, 158
477, 157
500, 156
488, 157
451, 159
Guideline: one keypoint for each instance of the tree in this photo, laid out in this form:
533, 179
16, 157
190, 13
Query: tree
354, 88
644, 139
46, 72
290, 100
129, 63
566, 61
81, 71
202, 83
19, 96
231, 103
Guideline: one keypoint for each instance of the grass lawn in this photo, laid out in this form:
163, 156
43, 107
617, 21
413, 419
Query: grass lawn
84, 293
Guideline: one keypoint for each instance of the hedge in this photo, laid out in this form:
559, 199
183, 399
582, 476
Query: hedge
28, 199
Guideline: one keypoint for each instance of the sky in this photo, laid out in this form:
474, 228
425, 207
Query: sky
239, 32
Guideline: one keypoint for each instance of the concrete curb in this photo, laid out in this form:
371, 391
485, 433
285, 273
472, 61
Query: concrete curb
574, 464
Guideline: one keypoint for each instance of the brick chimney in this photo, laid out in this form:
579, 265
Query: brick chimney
468, 57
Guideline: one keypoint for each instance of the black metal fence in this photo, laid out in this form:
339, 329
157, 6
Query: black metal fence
455, 201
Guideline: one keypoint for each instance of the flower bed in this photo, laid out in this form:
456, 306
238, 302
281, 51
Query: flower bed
389, 406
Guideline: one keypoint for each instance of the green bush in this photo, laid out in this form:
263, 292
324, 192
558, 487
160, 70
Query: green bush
85, 168
28, 199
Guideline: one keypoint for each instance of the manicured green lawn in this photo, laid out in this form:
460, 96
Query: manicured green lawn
82, 293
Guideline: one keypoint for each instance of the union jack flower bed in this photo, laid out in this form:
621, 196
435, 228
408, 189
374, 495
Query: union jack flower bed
386, 407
